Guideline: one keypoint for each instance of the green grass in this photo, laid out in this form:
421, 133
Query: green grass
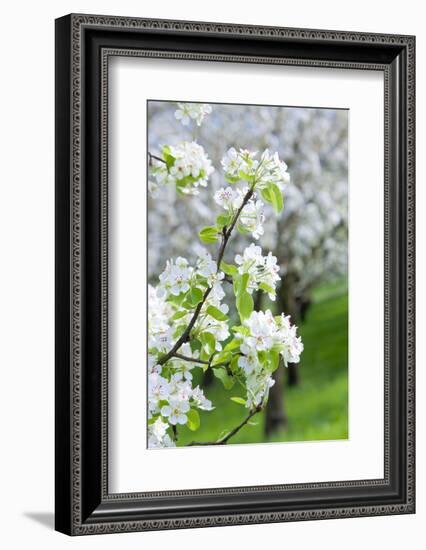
317, 408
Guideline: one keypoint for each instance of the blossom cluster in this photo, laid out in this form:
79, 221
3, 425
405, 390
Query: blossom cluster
262, 270
252, 215
243, 165
176, 277
186, 112
159, 314
263, 339
171, 396
172, 399
185, 165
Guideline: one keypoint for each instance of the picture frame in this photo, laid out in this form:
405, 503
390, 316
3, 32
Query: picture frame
83, 503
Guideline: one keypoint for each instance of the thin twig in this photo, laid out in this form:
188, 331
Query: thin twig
225, 439
185, 335
191, 359
201, 362
226, 233
151, 156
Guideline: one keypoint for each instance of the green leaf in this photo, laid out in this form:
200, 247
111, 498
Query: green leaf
195, 344
229, 269
244, 176
224, 377
167, 156
193, 419
242, 229
244, 282
274, 360
245, 305
232, 179
186, 181
222, 357
236, 284
177, 300
266, 195
276, 197
208, 234
267, 288
233, 365
263, 357
216, 313
238, 400
205, 354
233, 344
208, 340
179, 315
244, 331
195, 296
222, 220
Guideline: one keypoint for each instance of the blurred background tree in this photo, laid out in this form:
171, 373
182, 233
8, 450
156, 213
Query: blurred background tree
309, 238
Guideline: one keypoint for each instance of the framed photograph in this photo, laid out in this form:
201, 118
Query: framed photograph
234, 274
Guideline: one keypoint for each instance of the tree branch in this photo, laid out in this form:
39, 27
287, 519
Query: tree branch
227, 437
201, 362
226, 233
191, 359
151, 156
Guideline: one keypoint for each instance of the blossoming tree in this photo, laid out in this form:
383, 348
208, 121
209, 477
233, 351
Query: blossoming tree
189, 326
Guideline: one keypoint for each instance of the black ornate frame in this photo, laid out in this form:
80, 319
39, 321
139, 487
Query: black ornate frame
83, 45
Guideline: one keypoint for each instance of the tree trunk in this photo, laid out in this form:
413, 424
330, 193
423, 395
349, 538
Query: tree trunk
293, 377
208, 378
257, 299
301, 306
276, 418
289, 303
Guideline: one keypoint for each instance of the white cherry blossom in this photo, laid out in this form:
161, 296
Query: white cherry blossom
205, 265
243, 165
266, 332
175, 278
200, 399
158, 390
179, 388
224, 197
184, 370
287, 337
187, 112
250, 361
261, 269
159, 311
161, 340
252, 217
155, 442
158, 428
176, 411
261, 331
185, 165
258, 385
236, 162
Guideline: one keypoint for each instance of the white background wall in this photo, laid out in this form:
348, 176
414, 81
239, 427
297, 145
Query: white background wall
26, 289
